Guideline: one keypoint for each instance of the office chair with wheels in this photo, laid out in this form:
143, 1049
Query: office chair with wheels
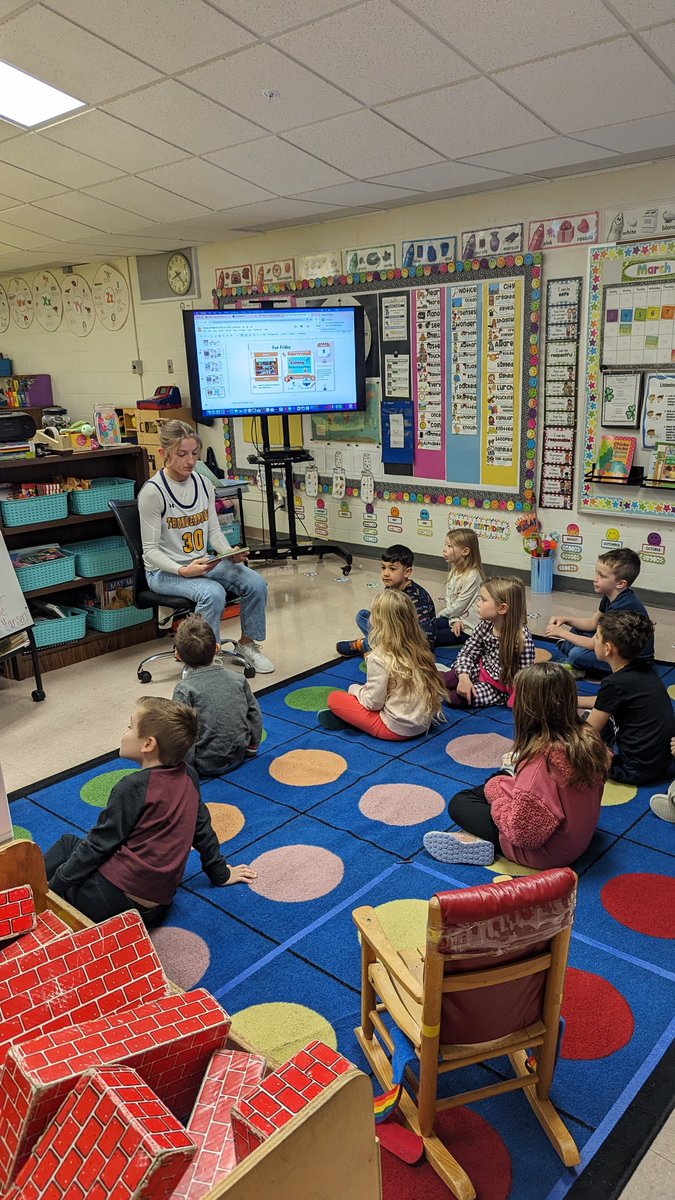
126, 515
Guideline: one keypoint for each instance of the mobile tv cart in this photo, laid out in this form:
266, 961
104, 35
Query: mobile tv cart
282, 548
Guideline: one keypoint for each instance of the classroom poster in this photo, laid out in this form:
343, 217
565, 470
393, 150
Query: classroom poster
658, 417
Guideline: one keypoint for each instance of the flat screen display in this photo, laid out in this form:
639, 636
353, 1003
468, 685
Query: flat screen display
257, 362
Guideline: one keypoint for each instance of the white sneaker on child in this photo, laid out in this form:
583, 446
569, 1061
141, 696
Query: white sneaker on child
663, 805
252, 652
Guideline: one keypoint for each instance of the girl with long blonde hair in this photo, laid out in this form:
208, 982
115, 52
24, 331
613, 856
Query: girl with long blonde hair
542, 811
403, 692
455, 622
500, 646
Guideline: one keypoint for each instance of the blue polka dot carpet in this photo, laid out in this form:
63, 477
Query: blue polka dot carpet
332, 819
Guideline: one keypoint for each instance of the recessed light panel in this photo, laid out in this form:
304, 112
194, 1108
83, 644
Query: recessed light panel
28, 101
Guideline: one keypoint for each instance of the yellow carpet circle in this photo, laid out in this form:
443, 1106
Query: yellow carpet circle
227, 820
308, 768
617, 793
671, 691
404, 922
541, 655
502, 866
280, 1029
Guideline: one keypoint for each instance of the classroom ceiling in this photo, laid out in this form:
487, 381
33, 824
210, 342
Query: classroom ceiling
211, 119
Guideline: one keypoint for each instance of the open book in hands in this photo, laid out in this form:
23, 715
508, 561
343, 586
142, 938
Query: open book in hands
231, 553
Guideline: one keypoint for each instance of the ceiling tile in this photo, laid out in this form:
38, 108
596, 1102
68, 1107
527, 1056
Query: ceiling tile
126, 244
444, 176
191, 32
495, 35
240, 81
24, 185
467, 118
536, 158
91, 211
21, 239
32, 152
357, 194
205, 183
55, 50
558, 88
273, 211
114, 142
273, 159
361, 143
644, 13
7, 202
183, 117
147, 200
630, 137
192, 234
27, 261
7, 130
662, 42
267, 17
412, 53
48, 224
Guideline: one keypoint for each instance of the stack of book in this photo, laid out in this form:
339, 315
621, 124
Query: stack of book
12, 450
31, 556
661, 469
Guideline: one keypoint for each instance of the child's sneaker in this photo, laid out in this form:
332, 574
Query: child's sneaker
350, 649
575, 672
459, 847
663, 805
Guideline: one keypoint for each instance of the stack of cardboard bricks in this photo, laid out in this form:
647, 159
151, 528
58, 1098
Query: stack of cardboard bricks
101, 1061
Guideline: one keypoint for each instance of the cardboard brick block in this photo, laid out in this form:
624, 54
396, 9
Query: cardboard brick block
230, 1076
112, 1136
283, 1094
47, 927
77, 978
17, 911
168, 1041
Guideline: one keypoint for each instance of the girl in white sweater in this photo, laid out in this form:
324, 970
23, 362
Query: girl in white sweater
459, 618
403, 692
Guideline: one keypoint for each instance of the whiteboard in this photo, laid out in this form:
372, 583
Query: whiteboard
14, 612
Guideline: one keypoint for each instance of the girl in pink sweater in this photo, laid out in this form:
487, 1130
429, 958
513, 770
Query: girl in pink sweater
543, 810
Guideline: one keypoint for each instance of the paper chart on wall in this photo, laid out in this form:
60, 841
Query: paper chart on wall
428, 378
397, 376
638, 326
658, 418
464, 358
498, 372
394, 319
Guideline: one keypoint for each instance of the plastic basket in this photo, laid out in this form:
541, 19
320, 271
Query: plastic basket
101, 556
46, 574
35, 509
60, 630
232, 532
96, 498
542, 575
107, 620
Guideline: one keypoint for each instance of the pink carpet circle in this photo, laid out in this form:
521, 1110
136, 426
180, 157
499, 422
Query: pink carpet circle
480, 750
401, 803
642, 902
585, 1037
293, 874
476, 1145
184, 955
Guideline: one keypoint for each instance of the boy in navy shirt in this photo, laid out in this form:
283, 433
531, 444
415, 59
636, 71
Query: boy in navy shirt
395, 572
615, 573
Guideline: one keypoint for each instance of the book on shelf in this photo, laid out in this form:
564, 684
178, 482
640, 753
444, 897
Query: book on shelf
661, 468
12, 450
615, 456
115, 593
31, 556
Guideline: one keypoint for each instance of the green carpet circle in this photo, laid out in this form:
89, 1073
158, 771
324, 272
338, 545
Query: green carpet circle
21, 834
97, 791
309, 699
281, 1029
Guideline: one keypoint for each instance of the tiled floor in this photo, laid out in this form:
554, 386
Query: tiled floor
311, 605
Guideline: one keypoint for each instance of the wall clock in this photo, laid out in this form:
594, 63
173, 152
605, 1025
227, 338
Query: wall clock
179, 273
47, 300
111, 297
78, 305
20, 302
4, 310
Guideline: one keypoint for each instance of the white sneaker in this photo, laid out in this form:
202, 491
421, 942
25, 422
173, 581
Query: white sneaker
255, 656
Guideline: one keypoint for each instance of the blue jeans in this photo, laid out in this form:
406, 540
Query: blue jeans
363, 622
582, 659
209, 594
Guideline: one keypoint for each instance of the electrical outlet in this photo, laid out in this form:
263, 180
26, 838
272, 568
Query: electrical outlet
169, 366
136, 366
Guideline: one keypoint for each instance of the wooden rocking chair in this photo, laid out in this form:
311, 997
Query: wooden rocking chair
488, 983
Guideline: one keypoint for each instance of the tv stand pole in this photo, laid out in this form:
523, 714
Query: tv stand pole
283, 548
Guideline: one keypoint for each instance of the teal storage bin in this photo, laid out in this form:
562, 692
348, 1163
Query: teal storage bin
60, 630
232, 533
46, 574
101, 556
96, 498
35, 509
107, 620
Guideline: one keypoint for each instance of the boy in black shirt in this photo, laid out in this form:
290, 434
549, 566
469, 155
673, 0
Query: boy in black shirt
395, 572
136, 854
632, 710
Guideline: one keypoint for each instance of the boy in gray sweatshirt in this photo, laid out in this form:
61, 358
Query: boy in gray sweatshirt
230, 721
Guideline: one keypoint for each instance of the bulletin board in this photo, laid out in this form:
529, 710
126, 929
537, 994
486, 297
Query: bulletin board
454, 356
631, 335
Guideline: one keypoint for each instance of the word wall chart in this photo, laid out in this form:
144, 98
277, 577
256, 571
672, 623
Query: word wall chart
563, 317
428, 378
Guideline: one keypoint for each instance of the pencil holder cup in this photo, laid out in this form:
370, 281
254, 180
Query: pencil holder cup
542, 574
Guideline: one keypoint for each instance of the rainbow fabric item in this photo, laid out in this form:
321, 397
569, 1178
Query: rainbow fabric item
387, 1103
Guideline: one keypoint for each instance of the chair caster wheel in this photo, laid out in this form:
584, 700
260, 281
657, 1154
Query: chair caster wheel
144, 677
347, 570
38, 695
249, 672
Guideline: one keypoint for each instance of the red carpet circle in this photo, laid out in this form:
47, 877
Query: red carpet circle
476, 1145
644, 903
598, 1019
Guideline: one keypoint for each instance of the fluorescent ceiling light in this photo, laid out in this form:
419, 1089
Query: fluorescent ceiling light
28, 101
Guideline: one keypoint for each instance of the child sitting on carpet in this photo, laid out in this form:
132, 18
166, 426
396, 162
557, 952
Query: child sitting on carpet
403, 691
500, 646
545, 813
459, 617
135, 855
632, 711
230, 722
396, 574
